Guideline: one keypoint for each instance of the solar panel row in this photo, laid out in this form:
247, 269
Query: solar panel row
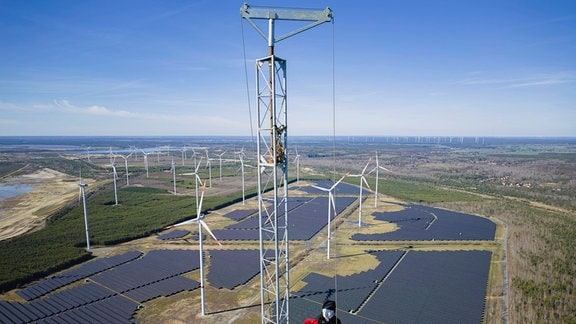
116, 309
55, 303
158, 265
231, 268
50, 284
166, 287
239, 214
173, 234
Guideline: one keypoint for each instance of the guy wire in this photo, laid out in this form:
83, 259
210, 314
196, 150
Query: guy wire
246, 80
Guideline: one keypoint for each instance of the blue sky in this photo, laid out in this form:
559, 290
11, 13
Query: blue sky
428, 67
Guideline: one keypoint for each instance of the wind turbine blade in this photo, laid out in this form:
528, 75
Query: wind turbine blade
364, 170
199, 180
383, 168
199, 162
333, 204
209, 231
338, 182
320, 188
190, 221
201, 199
366, 182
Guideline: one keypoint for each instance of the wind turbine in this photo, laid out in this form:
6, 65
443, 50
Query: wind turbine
83, 189
209, 166
174, 174
145, 162
377, 168
197, 179
297, 161
333, 203
194, 155
134, 150
115, 177
243, 187
183, 150
362, 180
220, 158
158, 155
126, 165
201, 224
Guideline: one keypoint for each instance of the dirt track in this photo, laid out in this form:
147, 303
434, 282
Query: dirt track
28, 211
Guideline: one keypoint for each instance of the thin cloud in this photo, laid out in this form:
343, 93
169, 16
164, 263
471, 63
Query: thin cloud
533, 81
95, 110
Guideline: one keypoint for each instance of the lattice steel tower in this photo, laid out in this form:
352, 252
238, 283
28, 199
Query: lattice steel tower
272, 143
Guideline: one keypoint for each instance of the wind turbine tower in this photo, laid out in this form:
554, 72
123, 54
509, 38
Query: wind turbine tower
83, 189
272, 139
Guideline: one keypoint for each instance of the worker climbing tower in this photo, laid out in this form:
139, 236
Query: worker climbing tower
272, 143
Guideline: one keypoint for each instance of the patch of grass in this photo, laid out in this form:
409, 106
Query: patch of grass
420, 191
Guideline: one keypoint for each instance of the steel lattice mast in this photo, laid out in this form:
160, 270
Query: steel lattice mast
272, 143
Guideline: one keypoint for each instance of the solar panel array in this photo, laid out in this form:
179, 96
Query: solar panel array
159, 265
427, 223
434, 287
111, 295
307, 217
232, 268
424, 287
240, 214
173, 235
87, 269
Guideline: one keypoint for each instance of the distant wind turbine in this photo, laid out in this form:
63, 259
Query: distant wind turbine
297, 161
194, 155
134, 150
174, 174
183, 150
115, 175
362, 181
126, 165
243, 187
83, 189
331, 203
377, 168
145, 162
220, 159
209, 166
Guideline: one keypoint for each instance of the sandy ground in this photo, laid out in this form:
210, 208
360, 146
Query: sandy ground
27, 212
